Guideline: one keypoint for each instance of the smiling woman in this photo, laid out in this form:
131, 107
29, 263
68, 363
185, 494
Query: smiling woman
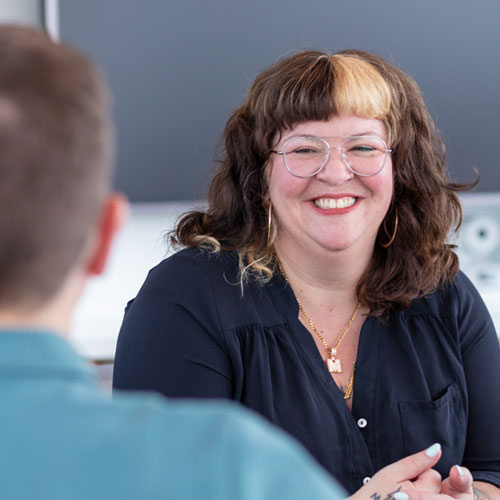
335, 209
319, 289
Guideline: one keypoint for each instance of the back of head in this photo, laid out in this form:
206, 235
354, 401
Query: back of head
55, 162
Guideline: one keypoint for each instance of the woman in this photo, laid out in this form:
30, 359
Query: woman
318, 288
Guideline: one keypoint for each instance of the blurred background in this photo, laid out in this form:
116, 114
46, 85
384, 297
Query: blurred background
177, 68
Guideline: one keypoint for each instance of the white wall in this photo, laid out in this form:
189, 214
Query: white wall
21, 11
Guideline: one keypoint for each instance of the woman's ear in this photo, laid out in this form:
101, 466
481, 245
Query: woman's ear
113, 214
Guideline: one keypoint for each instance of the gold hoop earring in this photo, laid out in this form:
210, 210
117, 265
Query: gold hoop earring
269, 223
393, 237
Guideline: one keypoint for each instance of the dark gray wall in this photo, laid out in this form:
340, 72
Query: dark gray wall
178, 67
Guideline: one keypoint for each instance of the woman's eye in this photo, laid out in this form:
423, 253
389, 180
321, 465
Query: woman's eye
305, 150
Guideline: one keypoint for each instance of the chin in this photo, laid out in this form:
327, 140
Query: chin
347, 242
337, 246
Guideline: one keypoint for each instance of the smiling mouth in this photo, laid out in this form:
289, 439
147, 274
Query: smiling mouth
346, 202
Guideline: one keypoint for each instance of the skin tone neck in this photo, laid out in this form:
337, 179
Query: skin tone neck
325, 274
53, 315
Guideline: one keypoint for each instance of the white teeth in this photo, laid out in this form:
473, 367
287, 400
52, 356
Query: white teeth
346, 202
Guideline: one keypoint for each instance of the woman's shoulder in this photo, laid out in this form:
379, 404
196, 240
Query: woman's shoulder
203, 256
455, 308
193, 265
200, 281
196, 277
454, 298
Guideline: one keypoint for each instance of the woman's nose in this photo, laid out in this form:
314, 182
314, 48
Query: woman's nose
335, 171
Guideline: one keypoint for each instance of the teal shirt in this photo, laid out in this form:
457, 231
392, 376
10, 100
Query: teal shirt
61, 438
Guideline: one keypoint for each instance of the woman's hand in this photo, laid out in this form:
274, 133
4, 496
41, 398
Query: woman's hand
410, 478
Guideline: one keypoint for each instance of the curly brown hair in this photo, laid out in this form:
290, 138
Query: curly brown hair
312, 85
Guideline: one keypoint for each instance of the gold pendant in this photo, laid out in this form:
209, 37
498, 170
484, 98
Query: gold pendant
334, 365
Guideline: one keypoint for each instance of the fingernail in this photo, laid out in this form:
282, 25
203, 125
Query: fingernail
433, 450
460, 470
400, 495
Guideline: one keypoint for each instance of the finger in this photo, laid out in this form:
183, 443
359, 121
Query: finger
429, 480
412, 466
459, 481
420, 495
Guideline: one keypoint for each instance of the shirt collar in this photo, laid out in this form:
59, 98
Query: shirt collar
40, 351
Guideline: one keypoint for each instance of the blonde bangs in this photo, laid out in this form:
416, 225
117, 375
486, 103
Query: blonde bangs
360, 89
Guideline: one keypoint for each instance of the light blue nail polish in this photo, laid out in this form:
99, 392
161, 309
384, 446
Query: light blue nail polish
400, 495
433, 450
460, 470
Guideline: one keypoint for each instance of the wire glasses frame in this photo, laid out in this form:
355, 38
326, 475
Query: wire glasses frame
305, 152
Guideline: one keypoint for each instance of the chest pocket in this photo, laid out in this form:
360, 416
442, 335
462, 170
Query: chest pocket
443, 420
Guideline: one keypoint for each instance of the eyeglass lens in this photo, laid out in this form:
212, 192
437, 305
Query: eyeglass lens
305, 156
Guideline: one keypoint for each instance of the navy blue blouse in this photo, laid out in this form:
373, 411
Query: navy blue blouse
430, 374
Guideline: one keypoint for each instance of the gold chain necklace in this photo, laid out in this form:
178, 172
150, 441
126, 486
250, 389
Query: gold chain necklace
334, 365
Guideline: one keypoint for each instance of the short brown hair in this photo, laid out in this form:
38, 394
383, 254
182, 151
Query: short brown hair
312, 85
55, 161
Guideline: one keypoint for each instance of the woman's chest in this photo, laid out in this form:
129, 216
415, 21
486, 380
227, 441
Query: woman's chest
409, 391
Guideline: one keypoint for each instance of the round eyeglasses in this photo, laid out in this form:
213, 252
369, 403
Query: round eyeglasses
305, 156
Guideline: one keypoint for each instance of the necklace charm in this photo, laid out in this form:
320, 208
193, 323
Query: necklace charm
334, 365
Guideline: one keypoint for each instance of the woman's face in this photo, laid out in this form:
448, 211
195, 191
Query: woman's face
308, 224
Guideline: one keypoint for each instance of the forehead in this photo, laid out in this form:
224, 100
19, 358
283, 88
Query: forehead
337, 127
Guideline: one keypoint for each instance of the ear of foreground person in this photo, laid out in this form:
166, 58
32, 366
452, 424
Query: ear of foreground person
60, 437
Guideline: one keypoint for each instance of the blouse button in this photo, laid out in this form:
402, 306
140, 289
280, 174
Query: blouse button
362, 423
366, 479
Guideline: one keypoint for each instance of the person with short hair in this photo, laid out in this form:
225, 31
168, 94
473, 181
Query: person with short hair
319, 287
60, 437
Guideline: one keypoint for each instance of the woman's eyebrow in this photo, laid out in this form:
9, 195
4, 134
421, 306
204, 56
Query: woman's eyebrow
284, 138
